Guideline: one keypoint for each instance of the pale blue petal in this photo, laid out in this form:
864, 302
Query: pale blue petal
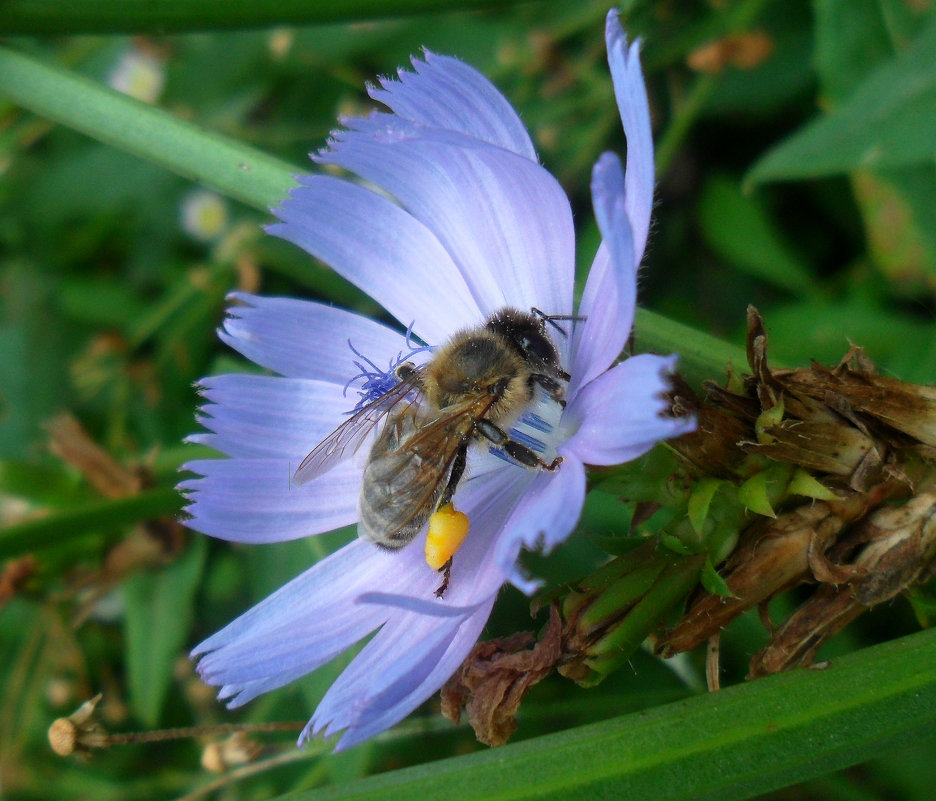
422, 606
446, 93
256, 416
403, 646
524, 583
630, 91
476, 571
378, 247
303, 339
373, 716
504, 220
621, 413
256, 501
610, 294
395, 674
547, 513
302, 625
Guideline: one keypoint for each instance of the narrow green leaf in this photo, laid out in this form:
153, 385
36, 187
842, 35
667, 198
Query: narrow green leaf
850, 40
158, 613
898, 206
807, 485
754, 495
51, 530
224, 164
723, 746
167, 16
887, 122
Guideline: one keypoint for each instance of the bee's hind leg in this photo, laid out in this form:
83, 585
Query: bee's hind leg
446, 571
455, 474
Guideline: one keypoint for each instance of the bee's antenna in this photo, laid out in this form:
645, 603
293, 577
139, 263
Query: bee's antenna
551, 319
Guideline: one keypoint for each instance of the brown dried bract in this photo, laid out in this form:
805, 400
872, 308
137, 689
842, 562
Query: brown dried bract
772, 555
496, 676
895, 547
72, 444
80, 732
219, 756
870, 438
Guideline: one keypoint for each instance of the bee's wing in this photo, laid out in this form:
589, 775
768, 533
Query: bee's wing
411, 477
347, 438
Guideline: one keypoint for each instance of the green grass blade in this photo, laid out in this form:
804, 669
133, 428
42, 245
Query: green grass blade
168, 16
727, 745
224, 164
50, 531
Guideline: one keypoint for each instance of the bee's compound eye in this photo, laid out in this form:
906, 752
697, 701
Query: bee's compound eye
447, 530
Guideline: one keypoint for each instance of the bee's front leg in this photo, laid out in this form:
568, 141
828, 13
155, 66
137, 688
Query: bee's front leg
553, 388
519, 453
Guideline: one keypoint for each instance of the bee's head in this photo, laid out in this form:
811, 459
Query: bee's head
527, 335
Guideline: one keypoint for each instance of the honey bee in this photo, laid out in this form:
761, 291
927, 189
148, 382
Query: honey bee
476, 386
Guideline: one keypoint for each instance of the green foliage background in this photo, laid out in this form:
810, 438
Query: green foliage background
805, 184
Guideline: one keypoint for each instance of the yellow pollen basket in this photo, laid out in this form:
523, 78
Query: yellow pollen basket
447, 531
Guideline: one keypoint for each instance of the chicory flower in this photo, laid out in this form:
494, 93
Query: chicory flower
465, 222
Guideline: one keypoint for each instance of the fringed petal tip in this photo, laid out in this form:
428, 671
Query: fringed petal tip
630, 93
196, 466
614, 31
616, 38
446, 93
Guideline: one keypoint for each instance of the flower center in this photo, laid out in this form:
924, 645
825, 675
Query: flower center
377, 382
537, 429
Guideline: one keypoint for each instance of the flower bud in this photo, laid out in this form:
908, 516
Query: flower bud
606, 621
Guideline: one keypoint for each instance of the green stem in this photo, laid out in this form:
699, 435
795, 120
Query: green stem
224, 164
49, 531
685, 116
45, 17
701, 356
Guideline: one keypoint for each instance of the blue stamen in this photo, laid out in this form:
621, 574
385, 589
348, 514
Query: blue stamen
534, 421
525, 439
377, 382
